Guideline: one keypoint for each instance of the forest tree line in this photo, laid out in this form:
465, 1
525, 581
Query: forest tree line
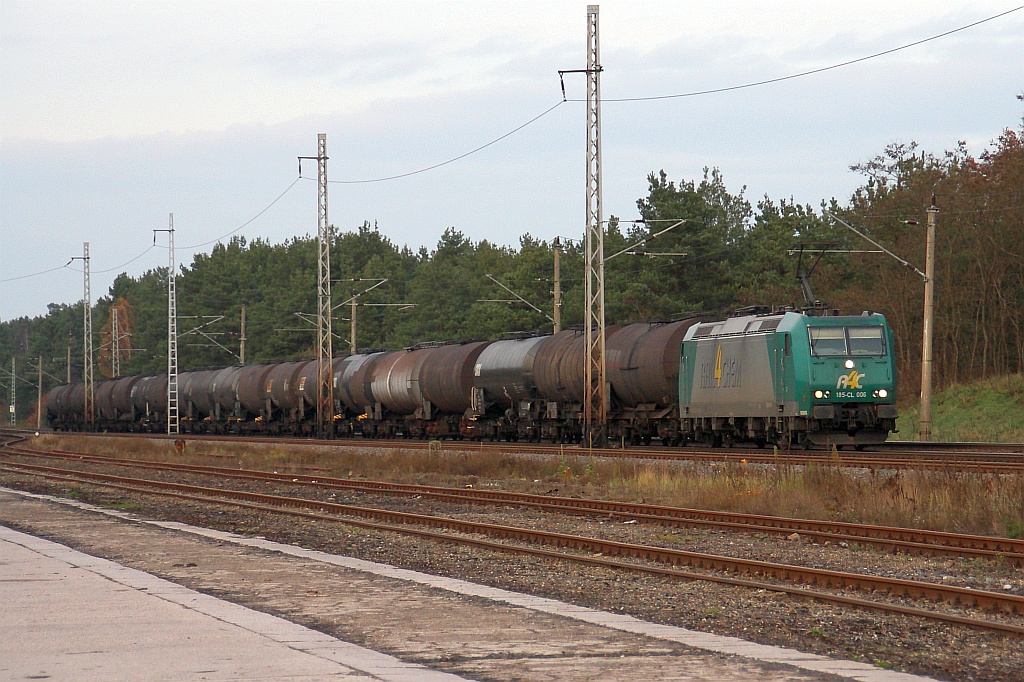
727, 254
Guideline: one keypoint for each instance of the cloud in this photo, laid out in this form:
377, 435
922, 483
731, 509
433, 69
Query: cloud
116, 114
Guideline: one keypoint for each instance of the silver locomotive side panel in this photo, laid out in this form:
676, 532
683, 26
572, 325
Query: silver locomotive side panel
732, 378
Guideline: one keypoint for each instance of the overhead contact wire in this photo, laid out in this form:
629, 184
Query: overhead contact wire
712, 91
243, 225
451, 160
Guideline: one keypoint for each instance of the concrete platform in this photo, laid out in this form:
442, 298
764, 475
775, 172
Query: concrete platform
70, 616
65, 614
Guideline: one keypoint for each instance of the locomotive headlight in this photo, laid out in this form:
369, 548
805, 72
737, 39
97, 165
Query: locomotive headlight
819, 394
849, 364
881, 393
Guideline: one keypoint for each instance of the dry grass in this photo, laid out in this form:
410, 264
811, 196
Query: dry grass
986, 504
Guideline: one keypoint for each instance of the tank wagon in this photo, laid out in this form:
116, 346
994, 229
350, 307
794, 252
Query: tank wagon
787, 378
790, 379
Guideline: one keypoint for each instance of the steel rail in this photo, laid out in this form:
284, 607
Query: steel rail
998, 463
991, 601
1009, 461
911, 541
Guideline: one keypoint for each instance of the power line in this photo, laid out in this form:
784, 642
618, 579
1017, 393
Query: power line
151, 247
657, 97
712, 91
538, 117
245, 224
35, 274
118, 267
443, 163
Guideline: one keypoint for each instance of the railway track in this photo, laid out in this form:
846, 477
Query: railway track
910, 541
645, 559
960, 457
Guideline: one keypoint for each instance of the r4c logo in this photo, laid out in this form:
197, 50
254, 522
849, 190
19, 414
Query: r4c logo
851, 380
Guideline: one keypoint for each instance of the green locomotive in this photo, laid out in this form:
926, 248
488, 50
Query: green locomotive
790, 379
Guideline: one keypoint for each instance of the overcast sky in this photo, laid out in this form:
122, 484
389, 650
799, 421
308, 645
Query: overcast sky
115, 114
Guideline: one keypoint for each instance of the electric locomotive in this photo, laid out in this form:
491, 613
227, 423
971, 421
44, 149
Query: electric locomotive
789, 379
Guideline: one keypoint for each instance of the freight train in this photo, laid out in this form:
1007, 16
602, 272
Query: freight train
789, 378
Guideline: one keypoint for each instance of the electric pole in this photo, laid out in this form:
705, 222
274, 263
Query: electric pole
929, 324
925, 417
595, 403
89, 399
352, 319
39, 396
115, 343
325, 383
14, 395
241, 339
557, 286
173, 425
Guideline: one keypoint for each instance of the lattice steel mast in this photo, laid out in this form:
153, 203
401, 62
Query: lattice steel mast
595, 402
173, 424
325, 383
115, 344
89, 400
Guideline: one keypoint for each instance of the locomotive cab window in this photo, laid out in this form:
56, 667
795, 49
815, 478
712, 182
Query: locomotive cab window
827, 340
866, 341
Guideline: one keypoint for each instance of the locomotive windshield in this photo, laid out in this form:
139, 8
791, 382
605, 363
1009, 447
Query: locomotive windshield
827, 341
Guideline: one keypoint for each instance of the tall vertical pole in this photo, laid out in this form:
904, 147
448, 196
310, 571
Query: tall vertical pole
557, 312
13, 393
69, 359
90, 395
325, 403
39, 395
173, 423
929, 326
241, 340
595, 407
115, 344
352, 317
